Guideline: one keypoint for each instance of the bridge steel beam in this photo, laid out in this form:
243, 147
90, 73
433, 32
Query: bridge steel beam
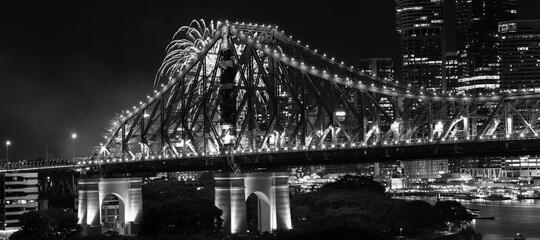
274, 94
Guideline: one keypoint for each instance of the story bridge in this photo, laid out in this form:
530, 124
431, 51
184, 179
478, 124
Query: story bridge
248, 96
241, 97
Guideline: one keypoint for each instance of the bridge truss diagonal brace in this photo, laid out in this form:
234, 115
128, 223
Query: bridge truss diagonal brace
487, 124
159, 95
512, 107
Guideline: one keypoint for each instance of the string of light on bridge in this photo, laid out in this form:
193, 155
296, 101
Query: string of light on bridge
421, 94
86, 162
376, 85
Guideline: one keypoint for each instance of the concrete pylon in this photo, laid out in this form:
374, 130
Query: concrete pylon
272, 189
92, 191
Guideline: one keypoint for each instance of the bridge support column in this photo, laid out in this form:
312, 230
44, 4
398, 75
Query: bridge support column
92, 192
272, 190
230, 198
89, 206
283, 206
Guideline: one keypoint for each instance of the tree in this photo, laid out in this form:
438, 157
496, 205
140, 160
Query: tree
53, 223
171, 207
358, 204
359, 183
452, 213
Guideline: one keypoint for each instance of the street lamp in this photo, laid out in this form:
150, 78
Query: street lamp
73, 136
7, 150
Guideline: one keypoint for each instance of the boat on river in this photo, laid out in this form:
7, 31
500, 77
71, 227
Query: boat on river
465, 196
476, 214
497, 197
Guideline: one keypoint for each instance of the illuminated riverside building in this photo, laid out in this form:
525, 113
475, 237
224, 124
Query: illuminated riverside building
424, 169
388, 169
524, 167
423, 45
477, 42
19, 195
488, 168
519, 44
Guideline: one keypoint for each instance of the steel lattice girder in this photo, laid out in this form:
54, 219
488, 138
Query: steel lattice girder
267, 91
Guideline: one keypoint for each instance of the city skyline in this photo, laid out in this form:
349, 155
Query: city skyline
71, 73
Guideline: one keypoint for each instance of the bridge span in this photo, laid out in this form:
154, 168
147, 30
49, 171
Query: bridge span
242, 97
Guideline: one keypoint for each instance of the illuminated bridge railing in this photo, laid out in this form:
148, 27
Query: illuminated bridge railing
89, 162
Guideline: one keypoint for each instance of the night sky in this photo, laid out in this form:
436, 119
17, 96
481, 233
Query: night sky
70, 66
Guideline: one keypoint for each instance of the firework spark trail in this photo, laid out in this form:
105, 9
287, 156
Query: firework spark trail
187, 42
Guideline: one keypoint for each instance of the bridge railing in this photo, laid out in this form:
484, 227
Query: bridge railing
83, 162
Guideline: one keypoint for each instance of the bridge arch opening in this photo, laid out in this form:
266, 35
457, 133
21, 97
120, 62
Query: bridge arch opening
113, 214
258, 212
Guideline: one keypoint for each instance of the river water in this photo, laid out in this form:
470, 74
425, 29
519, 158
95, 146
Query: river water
511, 217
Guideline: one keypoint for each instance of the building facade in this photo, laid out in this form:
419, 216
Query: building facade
424, 169
381, 68
519, 47
521, 167
19, 195
420, 24
488, 168
477, 42
452, 71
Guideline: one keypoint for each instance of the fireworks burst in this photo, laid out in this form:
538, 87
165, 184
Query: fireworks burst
187, 42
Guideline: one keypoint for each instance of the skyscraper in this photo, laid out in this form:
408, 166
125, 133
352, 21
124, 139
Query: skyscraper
382, 68
477, 41
452, 70
423, 45
519, 48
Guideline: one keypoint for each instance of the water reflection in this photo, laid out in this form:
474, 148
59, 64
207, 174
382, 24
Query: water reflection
511, 216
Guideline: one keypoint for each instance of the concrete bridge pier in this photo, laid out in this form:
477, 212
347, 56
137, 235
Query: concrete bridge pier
92, 196
272, 191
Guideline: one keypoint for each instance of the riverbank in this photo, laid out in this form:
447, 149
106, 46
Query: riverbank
510, 216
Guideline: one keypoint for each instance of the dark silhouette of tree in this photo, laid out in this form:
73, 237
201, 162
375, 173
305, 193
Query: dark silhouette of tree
359, 183
171, 207
452, 213
48, 224
358, 203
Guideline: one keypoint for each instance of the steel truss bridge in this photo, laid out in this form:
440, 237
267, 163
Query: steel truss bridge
239, 95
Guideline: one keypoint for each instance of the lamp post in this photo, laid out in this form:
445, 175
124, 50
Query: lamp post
7, 150
73, 136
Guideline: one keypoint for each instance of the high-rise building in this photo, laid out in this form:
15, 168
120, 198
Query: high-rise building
477, 41
452, 70
381, 68
19, 195
423, 44
519, 49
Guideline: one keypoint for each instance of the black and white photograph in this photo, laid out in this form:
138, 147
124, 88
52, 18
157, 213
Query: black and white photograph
270, 120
